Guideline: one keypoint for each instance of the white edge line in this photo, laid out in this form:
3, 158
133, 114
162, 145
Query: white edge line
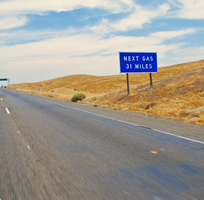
178, 136
7, 110
167, 133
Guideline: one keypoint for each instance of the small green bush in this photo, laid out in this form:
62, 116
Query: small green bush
78, 97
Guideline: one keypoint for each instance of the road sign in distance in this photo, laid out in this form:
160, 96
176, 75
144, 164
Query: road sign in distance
138, 62
3, 79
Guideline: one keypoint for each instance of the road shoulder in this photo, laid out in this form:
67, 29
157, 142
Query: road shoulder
192, 131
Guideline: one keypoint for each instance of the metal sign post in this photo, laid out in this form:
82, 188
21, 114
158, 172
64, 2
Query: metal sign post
150, 76
128, 87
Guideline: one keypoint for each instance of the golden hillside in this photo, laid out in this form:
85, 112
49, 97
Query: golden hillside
177, 92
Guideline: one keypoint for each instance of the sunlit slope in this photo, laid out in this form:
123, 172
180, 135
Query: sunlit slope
177, 92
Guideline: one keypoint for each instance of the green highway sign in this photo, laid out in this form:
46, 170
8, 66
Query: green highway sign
5, 79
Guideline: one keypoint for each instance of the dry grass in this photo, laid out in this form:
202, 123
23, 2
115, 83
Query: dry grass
177, 92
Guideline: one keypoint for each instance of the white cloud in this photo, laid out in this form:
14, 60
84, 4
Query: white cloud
9, 22
86, 45
182, 55
189, 9
136, 19
139, 18
39, 6
167, 35
22, 36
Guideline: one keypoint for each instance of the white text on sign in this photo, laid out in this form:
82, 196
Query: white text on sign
136, 58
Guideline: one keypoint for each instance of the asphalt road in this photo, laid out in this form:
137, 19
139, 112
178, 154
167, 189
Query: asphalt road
55, 150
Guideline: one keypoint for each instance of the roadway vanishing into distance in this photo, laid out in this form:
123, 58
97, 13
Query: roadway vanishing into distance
51, 149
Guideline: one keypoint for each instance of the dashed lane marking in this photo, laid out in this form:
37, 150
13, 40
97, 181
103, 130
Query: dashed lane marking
28, 147
154, 152
8, 111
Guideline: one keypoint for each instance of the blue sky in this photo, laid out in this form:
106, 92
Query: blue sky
45, 39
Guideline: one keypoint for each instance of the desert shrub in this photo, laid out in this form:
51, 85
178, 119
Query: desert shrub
50, 95
149, 105
78, 97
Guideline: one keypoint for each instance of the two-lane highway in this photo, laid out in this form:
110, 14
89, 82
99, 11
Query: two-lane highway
57, 151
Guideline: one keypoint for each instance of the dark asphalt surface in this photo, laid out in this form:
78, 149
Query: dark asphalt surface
51, 149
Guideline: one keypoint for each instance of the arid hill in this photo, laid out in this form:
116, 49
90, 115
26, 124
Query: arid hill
177, 91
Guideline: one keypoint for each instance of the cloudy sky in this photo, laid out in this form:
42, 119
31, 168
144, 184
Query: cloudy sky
44, 39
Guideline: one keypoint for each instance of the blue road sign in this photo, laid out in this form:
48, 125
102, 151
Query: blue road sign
131, 62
